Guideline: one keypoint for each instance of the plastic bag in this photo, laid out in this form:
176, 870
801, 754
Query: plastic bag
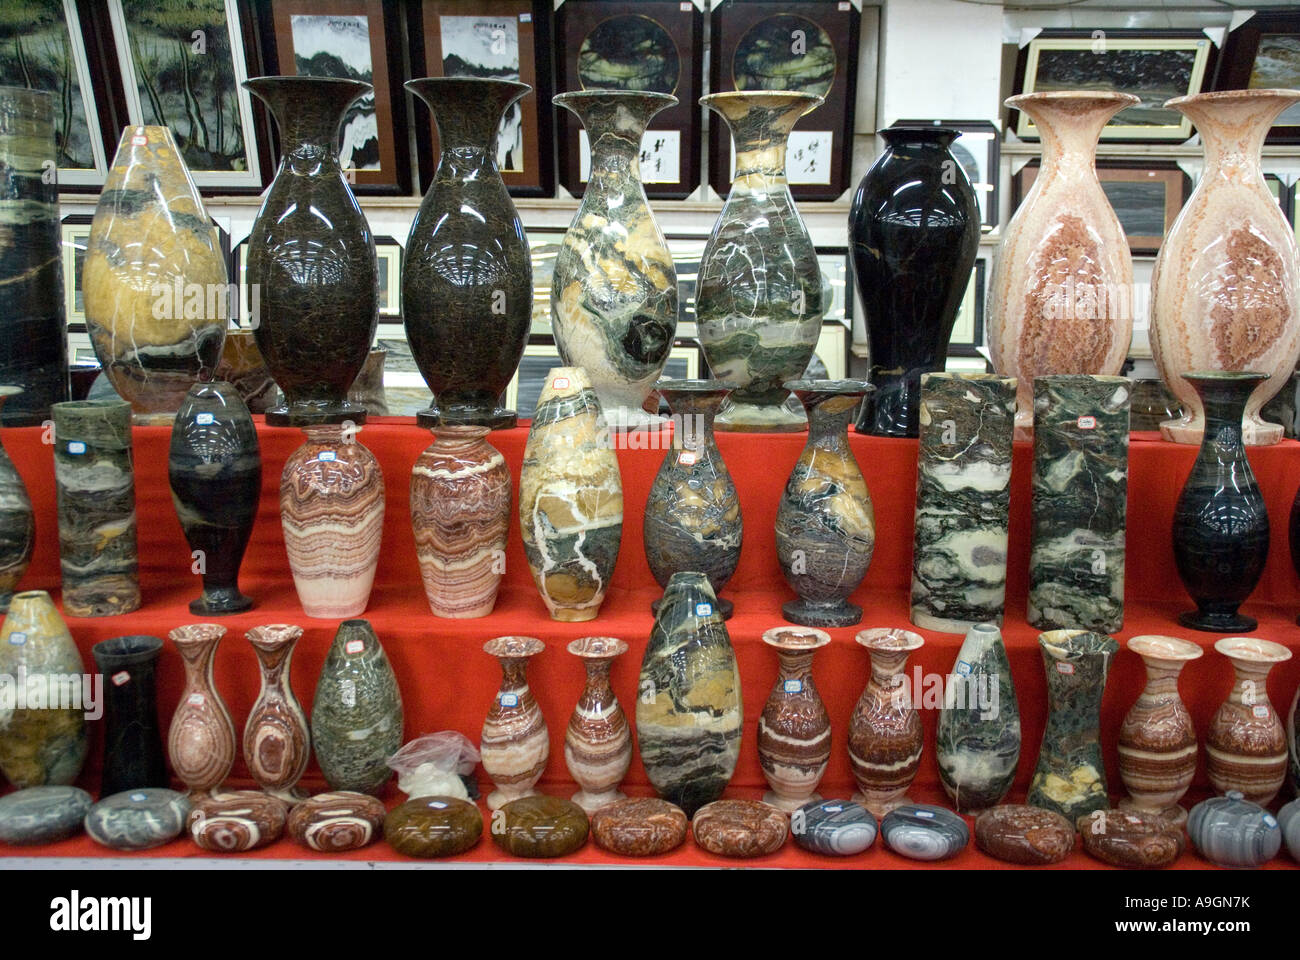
432, 765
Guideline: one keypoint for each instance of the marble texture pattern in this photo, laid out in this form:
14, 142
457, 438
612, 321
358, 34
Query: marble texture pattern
794, 729
919, 831
540, 827
839, 828
17, 522
639, 827
1231, 831
337, 821
46, 814
885, 734
201, 739
433, 827
242, 366
1288, 819
1133, 839
236, 822
277, 742
1029, 836
598, 739
515, 744
739, 828
138, 819
1246, 745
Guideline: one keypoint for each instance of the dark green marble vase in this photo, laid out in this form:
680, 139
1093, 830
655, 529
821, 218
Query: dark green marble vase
17, 522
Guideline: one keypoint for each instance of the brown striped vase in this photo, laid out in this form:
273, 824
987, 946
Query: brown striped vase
515, 743
885, 735
598, 742
1246, 749
201, 741
794, 730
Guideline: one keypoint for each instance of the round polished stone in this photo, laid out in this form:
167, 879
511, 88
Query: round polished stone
337, 821
540, 826
923, 832
138, 819
1288, 818
1132, 839
433, 827
838, 828
639, 827
739, 828
1029, 836
237, 821
42, 814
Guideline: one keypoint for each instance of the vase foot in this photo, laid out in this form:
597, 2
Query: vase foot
315, 414
498, 798
591, 802
927, 621
1174, 813
1217, 622
220, 603
725, 607
494, 419
789, 804
806, 614
739, 417
290, 798
631, 419
877, 806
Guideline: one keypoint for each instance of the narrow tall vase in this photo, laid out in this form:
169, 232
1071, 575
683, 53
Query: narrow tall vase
277, 744
1221, 527
201, 739
17, 522
1246, 745
758, 297
614, 291
794, 730
515, 744
914, 230
885, 735
1225, 294
1060, 300
311, 256
467, 279
133, 749
597, 741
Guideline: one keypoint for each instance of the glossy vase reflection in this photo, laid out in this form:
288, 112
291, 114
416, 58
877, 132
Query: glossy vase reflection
614, 290
515, 744
885, 735
794, 730
692, 515
825, 524
598, 740
277, 744
311, 256
201, 739
133, 750
1246, 745
467, 279
914, 231
1221, 528
758, 298
17, 522
1225, 294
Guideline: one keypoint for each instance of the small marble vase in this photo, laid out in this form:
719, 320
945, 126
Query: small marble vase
614, 291
40, 745
825, 524
1070, 777
570, 498
692, 516
1061, 292
1157, 741
515, 743
277, 744
460, 513
1226, 285
598, 742
885, 735
1246, 745
201, 740
978, 737
133, 749
155, 287
17, 522
242, 366
1221, 528
963, 501
332, 511
1080, 500
689, 709
758, 298
794, 730
215, 470
1231, 831
94, 477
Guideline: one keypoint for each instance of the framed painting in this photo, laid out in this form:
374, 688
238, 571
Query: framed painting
807, 46
76, 238
1265, 52
543, 247
978, 152
968, 329
499, 39
1154, 65
836, 281
388, 257
651, 45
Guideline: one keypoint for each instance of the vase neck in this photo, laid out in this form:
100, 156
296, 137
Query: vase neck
887, 668
598, 674
468, 112
1232, 130
514, 674
795, 665
760, 127
308, 112
1224, 400
1070, 126
1250, 686
615, 122
829, 418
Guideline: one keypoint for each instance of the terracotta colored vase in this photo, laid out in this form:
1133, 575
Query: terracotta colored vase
460, 512
17, 522
1060, 300
201, 741
515, 743
794, 730
1246, 745
598, 742
277, 744
885, 735
1225, 294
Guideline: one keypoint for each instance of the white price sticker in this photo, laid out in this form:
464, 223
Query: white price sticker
120, 678
196, 700
204, 419
1066, 668
354, 646
1260, 712
687, 458
139, 140
327, 455
1087, 423
76, 447
704, 609
17, 638
509, 699
794, 686
560, 383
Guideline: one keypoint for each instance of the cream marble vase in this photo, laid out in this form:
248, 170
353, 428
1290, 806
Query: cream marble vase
1224, 291
1061, 296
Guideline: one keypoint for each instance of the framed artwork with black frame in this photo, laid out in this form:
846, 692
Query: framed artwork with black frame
1154, 65
76, 238
807, 46
388, 258
978, 150
650, 45
1265, 52
502, 40
968, 328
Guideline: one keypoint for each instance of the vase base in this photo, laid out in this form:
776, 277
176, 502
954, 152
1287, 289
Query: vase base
789, 804
498, 419
928, 621
336, 612
738, 417
806, 614
725, 607
1174, 813
877, 806
220, 604
591, 802
315, 414
499, 798
631, 419
290, 797
1217, 622
1256, 433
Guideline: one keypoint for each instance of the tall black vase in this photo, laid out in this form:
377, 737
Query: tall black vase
1221, 523
133, 750
914, 230
215, 469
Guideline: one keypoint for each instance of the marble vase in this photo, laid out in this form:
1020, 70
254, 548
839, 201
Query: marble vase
460, 513
689, 708
201, 739
597, 741
614, 290
332, 512
794, 729
1225, 290
133, 749
154, 284
1070, 777
243, 367
1060, 299
311, 255
215, 470
963, 501
515, 743
885, 735
17, 522
978, 737
94, 479
277, 743
825, 523
1080, 500
758, 296
692, 515
570, 498
1246, 744
467, 279
1157, 741
40, 744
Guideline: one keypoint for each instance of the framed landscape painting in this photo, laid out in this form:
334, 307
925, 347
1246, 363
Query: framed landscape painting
1265, 52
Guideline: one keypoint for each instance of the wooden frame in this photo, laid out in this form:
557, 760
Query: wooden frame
1239, 64
982, 142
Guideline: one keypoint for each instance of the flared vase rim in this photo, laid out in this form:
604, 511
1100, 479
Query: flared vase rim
485, 82
150, 647
1233, 96
1252, 650
1066, 96
597, 648
791, 97
796, 639
890, 639
927, 133
1068, 645
1158, 646
618, 93
829, 388
31, 595
9, 390
289, 80
1226, 376
688, 385
273, 636
513, 647
191, 634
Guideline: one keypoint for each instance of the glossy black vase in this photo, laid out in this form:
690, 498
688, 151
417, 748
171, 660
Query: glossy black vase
311, 257
467, 281
914, 230
133, 750
215, 469
1220, 523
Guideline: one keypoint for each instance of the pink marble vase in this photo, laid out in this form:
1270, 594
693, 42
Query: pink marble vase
1246, 748
794, 730
885, 734
277, 744
201, 741
598, 742
515, 743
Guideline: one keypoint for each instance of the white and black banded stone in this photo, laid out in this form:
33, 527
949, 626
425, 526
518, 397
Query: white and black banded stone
923, 832
838, 828
1231, 831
